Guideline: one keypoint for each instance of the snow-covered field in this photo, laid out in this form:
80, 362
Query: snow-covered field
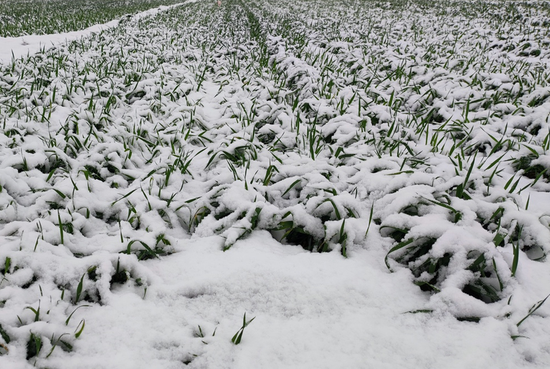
279, 184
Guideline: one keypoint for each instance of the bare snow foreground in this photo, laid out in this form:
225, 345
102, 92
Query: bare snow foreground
311, 311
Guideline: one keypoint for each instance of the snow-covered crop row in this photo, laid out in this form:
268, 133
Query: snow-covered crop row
418, 130
24, 17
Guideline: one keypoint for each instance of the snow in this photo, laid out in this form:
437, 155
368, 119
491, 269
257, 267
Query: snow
150, 210
311, 311
16, 47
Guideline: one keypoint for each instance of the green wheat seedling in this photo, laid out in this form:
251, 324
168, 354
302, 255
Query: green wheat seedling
146, 253
532, 310
79, 328
79, 289
36, 311
60, 224
34, 345
74, 311
7, 266
5, 336
200, 334
342, 240
57, 341
516, 250
236, 339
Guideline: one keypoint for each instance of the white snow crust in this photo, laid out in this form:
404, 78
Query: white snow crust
369, 183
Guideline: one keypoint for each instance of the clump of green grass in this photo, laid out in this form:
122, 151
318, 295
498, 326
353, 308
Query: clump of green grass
34, 345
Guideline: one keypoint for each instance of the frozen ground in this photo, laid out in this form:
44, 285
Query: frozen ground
374, 193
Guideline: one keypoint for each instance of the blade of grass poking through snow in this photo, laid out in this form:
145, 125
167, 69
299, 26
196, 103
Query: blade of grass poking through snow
146, 198
79, 289
78, 331
74, 311
490, 180
34, 345
457, 214
515, 247
532, 310
60, 227
36, 243
148, 250
370, 220
424, 284
399, 246
125, 196
498, 239
535, 153
419, 311
495, 162
500, 284
291, 186
239, 335
509, 182
342, 238
539, 176
461, 189
61, 194
336, 211
515, 185
120, 231
56, 342
5, 336
35, 311
7, 265
269, 173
